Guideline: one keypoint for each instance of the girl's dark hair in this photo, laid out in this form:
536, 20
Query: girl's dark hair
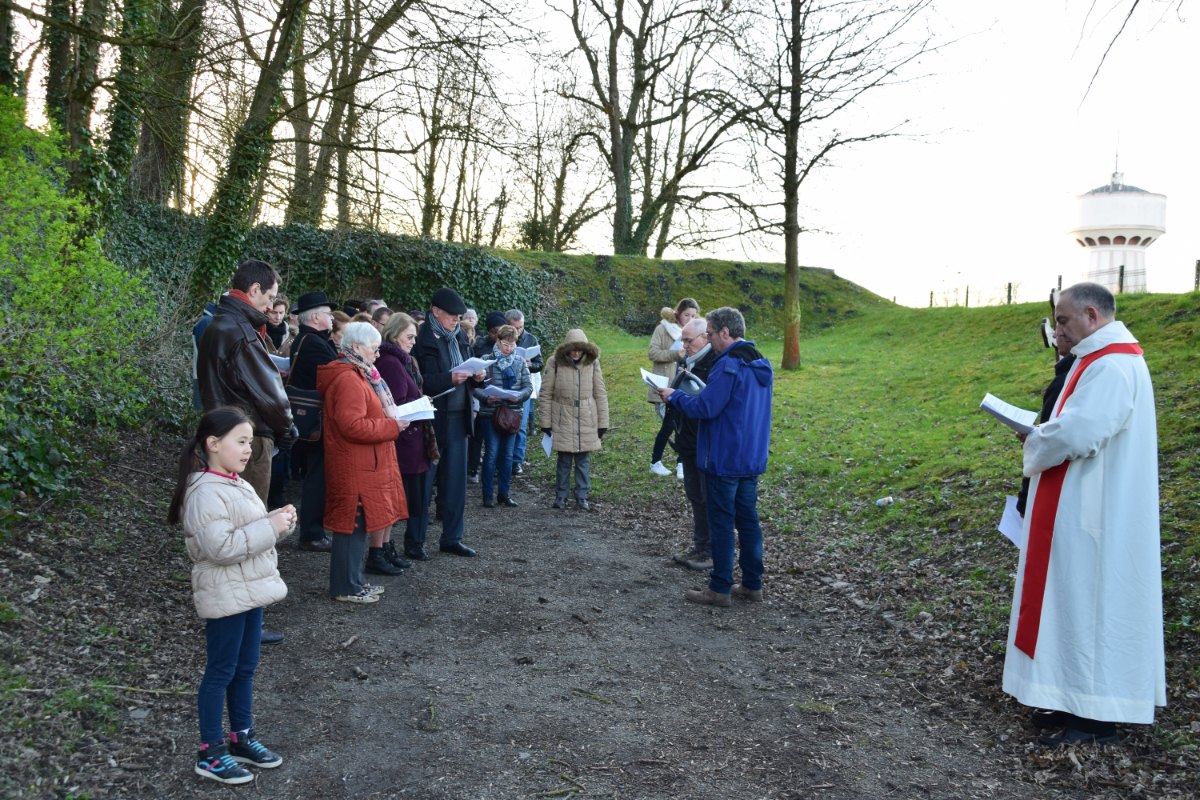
217, 422
686, 303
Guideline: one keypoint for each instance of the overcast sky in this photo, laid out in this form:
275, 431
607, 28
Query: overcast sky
988, 194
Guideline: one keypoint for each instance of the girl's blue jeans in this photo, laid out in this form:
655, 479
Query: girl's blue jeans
233, 644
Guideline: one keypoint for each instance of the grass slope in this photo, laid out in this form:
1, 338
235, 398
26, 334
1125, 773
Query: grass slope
887, 404
629, 291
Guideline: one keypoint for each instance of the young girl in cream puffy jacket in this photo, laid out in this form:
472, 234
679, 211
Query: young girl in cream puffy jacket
231, 540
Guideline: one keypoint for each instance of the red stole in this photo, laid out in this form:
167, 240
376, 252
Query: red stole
1041, 523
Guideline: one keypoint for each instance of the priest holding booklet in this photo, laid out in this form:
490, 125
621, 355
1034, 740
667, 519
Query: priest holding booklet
1085, 646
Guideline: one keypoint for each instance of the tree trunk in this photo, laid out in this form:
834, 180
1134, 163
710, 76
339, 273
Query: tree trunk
791, 195
229, 218
157, 174
58, 62
128, 98
300, 200
10, 76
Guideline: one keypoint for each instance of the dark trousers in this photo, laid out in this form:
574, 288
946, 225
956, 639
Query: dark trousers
417, 488
733, 504
233, 644
664, 436
452, 475
497, 460
312, 495
694, 483
281, 466
346, 559
582, 464
475, 446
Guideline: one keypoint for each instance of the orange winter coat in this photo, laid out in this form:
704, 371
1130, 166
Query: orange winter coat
360, 452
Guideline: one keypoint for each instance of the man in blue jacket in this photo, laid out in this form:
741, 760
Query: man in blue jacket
734, 410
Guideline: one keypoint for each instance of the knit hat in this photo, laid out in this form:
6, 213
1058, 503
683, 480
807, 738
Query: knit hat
494, 319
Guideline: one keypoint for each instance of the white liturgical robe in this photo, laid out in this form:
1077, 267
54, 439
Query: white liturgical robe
1091, 643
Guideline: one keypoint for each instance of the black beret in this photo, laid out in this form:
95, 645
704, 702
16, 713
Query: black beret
449, 301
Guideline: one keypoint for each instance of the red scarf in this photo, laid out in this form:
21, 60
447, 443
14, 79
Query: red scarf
1041, 522
238, 294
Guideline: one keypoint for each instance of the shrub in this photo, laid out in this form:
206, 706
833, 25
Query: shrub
71, 322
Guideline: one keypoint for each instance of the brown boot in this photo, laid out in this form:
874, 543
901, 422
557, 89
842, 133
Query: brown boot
707, 597
749, 595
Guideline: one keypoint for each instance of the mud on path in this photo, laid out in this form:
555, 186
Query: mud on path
562, 662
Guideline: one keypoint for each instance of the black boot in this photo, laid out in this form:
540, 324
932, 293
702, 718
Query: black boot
377, 563
393, 557
489, 502
506, 501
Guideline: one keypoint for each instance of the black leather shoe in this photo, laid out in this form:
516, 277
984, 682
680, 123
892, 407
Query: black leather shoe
1071, 735
1047, 719
416, 555
322, 545
489, 502
271, 637
559, 504
377, 563
518, 469
507, 502
583, 505
457, 549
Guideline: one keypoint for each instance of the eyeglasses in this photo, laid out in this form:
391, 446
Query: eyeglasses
685, 340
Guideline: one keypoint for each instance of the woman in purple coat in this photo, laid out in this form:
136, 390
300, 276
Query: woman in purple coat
403, 377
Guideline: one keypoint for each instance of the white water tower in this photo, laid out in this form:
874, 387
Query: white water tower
1117, 223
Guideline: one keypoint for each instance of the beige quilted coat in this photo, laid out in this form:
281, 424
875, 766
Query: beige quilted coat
232, 547
573, 402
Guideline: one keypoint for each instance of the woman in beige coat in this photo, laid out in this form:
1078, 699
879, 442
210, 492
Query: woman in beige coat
573, 410
665, 352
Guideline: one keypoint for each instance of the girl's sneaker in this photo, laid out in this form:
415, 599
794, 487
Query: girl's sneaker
373, 589
215, 762
245, 749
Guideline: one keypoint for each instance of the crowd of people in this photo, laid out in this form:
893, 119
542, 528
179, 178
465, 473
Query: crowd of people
344, 374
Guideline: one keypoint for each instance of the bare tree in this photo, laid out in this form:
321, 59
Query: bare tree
828, 56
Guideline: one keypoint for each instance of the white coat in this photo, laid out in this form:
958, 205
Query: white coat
1099, 650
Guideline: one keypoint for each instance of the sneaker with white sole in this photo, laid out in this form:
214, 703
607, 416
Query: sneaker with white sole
373, 588
215, 763
246, 749
657, 468
364, 597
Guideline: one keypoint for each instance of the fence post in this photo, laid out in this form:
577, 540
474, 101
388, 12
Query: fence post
1197, 286
1121, 280
1009, 303
968, 303
1197, 278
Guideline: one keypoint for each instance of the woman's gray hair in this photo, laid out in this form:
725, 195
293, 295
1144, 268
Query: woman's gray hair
360, 333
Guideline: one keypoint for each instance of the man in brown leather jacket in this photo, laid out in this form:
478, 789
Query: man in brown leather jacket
234, 368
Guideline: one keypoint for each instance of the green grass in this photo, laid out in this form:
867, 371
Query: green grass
886, 403
628, 291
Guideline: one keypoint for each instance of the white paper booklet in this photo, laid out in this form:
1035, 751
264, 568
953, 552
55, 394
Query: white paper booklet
1018, 419
1011, 523
677, 346
655, 381
282, 363
471, 366
496, 391
548, 443
529, 352
421, 408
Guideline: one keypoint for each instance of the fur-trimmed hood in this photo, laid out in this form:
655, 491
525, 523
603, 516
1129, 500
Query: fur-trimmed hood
576, 340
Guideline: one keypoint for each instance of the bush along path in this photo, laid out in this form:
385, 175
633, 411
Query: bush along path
562, 662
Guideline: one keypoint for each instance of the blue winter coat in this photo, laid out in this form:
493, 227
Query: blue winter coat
734, 410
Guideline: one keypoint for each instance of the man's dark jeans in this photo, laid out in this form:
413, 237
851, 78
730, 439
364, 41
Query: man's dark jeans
733, 503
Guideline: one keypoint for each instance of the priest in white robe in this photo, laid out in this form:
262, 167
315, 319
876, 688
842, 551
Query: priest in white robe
1085, 641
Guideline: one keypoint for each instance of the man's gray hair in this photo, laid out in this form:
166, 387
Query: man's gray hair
307, 316
1083, 295
698, 325
514, 315
726, 317
472, 313
360, 333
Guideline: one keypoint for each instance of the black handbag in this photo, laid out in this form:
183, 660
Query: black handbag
506, 421
307, 406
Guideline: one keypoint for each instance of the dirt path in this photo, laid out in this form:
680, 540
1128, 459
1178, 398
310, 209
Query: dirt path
563, 662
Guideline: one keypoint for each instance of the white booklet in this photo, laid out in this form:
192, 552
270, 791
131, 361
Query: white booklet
1018, 419
548, 443
1011, 523
655, 381
529, 352
471, 366
677, 345
282, 363
421, 408
496, 391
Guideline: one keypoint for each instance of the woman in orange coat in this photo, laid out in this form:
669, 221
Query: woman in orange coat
364, 495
